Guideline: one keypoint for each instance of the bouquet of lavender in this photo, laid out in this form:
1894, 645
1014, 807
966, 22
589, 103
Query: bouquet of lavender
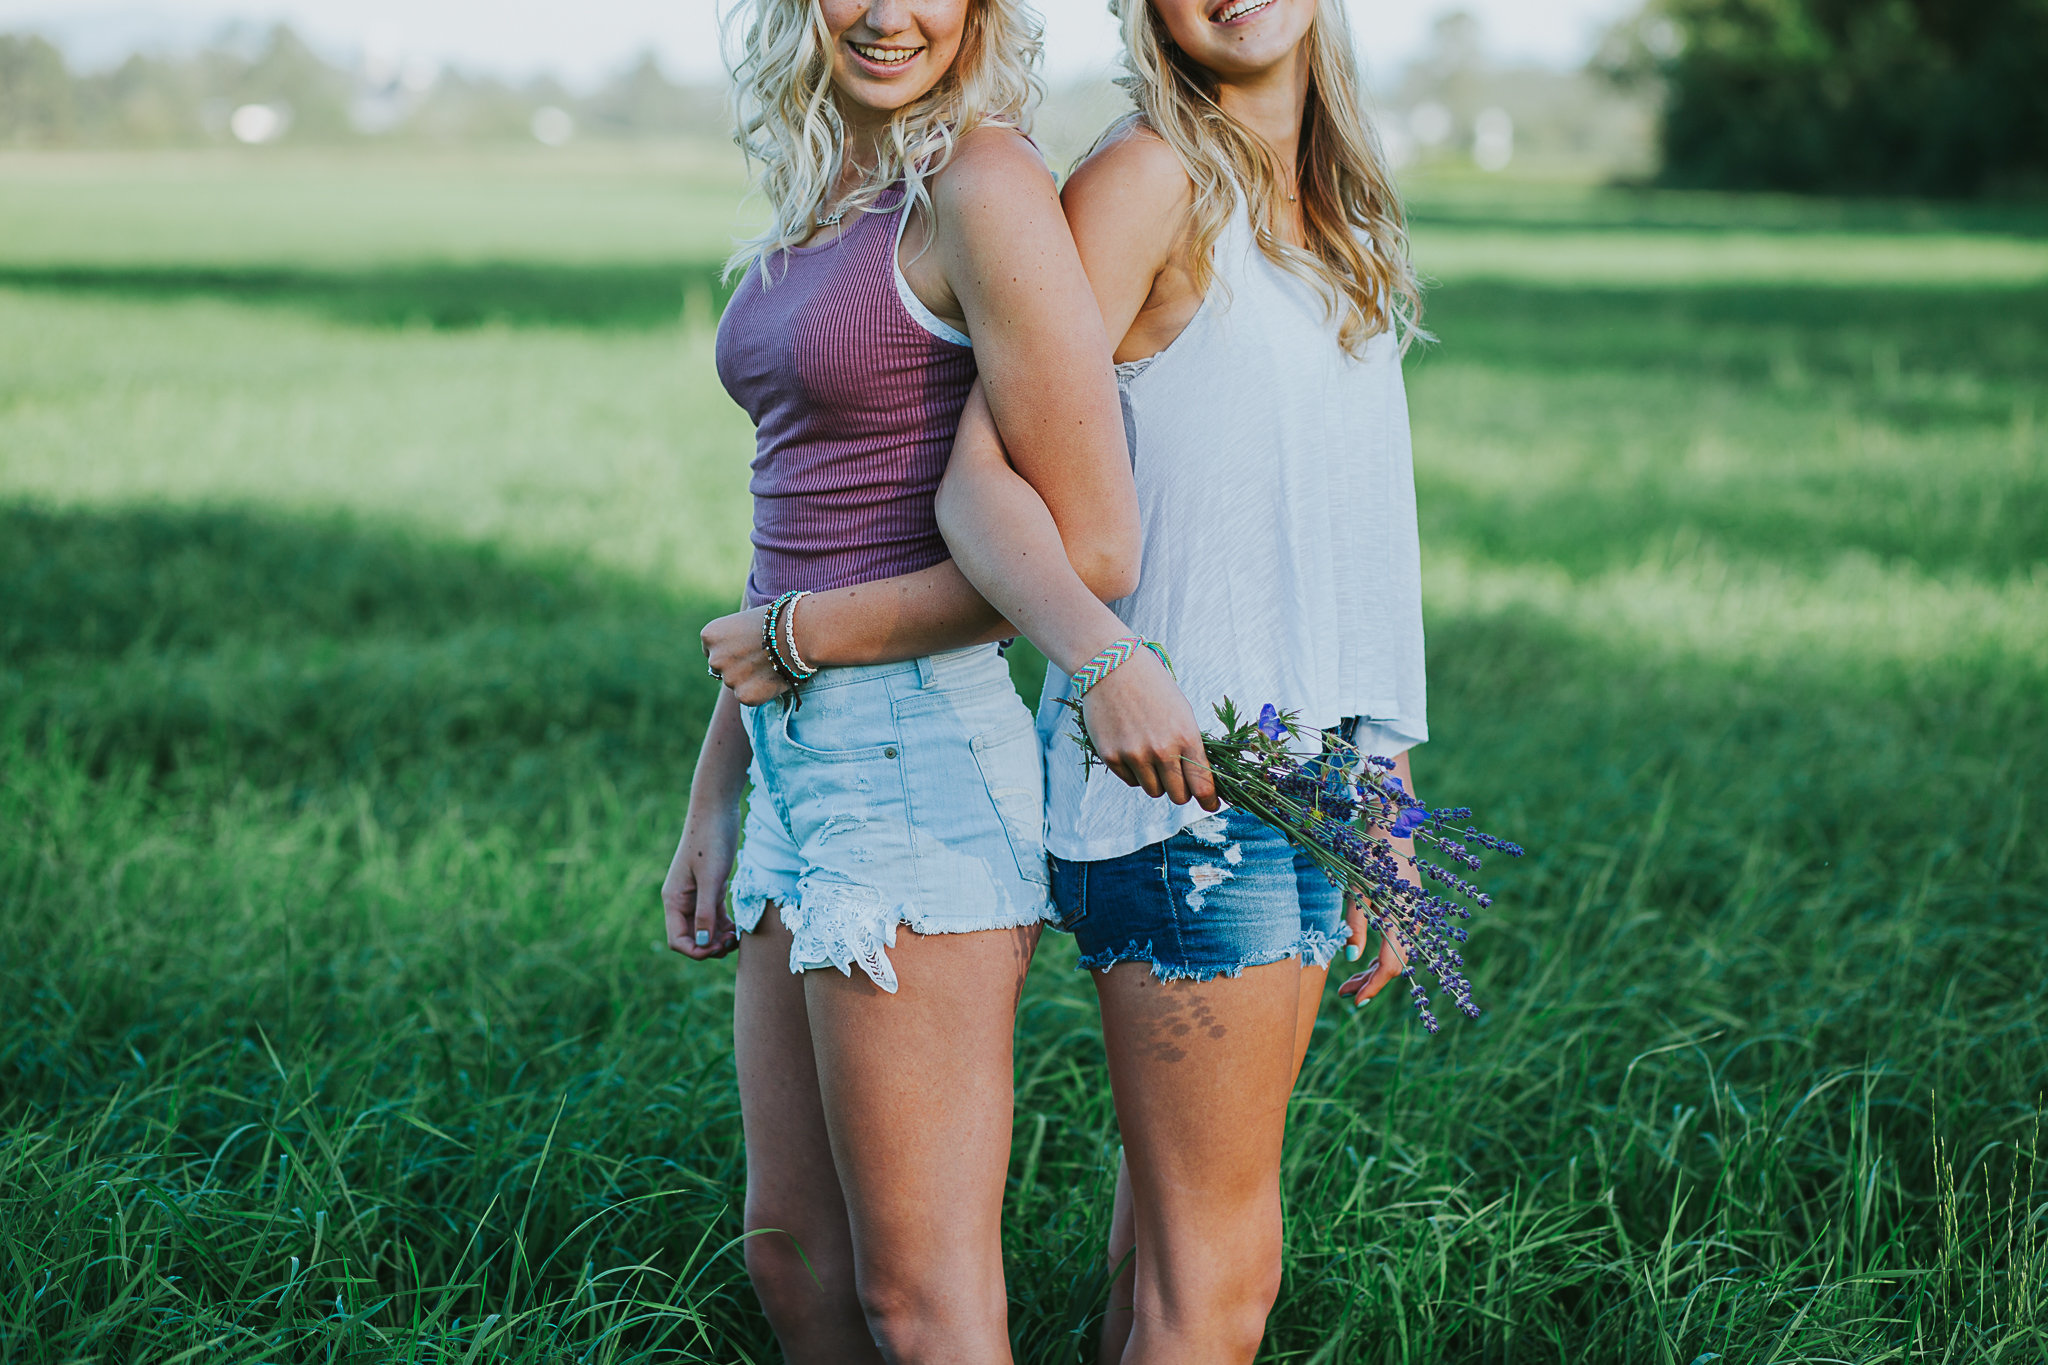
1329, 806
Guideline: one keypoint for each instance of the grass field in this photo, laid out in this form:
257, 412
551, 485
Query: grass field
356, 518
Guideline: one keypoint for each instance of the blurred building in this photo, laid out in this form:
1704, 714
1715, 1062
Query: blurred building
267, 85
1457, 107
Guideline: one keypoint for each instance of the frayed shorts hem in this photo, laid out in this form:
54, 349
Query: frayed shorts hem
751, 891
843, 925
1165, 971
1319, 949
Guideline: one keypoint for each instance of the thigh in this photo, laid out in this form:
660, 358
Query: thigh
1323, 936
791, 1184
1201, 1072
917, 1099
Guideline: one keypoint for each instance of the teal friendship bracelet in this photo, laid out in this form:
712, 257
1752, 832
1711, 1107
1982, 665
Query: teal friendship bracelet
1113, 655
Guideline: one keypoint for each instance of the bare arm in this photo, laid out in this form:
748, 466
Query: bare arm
996, 255
1063, 493
1004, 535
885, 621
693, 894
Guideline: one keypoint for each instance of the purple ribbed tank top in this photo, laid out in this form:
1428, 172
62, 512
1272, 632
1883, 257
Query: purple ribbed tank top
855, 406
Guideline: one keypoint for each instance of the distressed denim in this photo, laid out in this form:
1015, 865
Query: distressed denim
1226, 893
896, 794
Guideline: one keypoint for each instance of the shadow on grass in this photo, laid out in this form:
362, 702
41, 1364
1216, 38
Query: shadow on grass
1572, 209
1835, 378
207, 648
1868, 335
435, 295
469, 1031
216, 647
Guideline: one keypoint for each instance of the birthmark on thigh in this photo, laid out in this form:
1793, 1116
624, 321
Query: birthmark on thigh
1173, 1013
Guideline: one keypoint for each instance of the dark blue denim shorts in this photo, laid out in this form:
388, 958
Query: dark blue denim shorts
1226, 893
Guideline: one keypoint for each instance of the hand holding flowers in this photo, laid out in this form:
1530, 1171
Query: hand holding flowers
1344, 810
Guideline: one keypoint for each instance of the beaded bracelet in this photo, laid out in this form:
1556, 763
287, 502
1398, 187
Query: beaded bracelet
1114, 654
768, 638
771, 641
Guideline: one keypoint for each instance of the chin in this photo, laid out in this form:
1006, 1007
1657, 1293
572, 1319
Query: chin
1233, 60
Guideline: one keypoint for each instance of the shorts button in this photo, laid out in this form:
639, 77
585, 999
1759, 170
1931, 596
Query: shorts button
889, 752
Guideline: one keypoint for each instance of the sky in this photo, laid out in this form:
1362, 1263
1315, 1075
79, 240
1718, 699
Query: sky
583, 40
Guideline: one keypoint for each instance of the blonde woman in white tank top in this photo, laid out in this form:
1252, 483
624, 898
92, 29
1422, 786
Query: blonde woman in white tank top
1245, 244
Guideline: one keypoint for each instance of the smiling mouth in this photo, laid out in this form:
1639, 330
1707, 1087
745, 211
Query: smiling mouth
1238, 9
897, 56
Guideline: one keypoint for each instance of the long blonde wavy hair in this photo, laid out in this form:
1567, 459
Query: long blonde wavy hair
1357, 250
788, 123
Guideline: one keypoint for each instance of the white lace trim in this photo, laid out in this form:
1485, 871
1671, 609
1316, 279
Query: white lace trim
844, 925
841, 924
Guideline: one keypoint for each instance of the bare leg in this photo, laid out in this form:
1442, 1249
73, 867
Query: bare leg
791, 1184
1123, 1269
1306, 1009
1201, 1072
1116, 1319
917, 1099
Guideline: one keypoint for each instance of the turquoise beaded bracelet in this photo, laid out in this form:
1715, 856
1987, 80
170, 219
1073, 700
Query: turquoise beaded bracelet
1114, 654
771, 640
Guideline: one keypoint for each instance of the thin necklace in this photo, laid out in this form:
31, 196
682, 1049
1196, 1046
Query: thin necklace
832, 219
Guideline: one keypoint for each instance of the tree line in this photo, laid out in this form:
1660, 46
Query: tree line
1942, 98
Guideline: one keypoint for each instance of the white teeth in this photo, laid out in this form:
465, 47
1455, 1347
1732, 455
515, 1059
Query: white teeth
891, 56
1240, 9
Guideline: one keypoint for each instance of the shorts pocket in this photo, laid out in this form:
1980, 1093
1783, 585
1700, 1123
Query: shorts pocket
1013, 771
835, 735
1069, 893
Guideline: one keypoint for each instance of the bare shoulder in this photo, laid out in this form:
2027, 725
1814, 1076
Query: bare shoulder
992, 162
1133, 172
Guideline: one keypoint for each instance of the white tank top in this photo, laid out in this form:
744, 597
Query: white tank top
1276, 491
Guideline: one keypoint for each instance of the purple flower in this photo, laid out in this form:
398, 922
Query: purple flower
1270, 724
1408, 821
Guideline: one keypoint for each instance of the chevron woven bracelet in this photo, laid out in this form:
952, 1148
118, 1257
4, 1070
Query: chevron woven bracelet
1113, 654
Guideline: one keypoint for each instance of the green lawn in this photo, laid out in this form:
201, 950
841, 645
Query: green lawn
356, 518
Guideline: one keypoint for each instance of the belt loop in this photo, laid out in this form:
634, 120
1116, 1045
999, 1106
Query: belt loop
927, 673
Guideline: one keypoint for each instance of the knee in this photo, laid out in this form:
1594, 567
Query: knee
1237, 1308
1260, 1289
906, 1322
1223, 1304
795, 1295
914, 1322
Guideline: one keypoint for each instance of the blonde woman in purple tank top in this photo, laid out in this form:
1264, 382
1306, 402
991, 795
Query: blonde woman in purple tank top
888, 886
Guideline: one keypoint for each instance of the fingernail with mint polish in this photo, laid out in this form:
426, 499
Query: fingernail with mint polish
1353, 951
703, 938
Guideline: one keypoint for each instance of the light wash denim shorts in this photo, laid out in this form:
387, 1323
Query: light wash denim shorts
896, 794
1226, 893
